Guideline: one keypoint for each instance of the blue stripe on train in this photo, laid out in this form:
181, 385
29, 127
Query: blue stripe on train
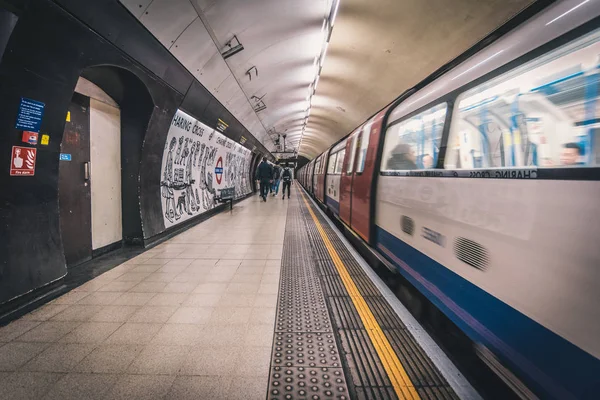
547, 363
334, 205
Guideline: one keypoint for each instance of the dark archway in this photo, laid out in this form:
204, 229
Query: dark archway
136, 109
122, 91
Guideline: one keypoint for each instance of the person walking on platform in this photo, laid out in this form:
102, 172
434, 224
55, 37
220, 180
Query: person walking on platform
264, 174
276, 179
286, 176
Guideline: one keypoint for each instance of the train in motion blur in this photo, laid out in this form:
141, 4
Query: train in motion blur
481, 187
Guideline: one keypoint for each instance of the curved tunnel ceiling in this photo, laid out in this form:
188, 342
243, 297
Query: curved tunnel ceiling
377, 50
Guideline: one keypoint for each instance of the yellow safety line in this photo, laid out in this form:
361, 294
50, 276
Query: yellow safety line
403, 387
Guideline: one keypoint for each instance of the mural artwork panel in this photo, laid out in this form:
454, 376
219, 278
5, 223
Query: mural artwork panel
197, 162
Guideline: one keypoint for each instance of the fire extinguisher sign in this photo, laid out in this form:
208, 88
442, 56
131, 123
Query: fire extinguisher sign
22, 161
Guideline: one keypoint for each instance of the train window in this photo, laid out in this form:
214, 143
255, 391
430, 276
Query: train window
414, 143
544, 113
340, 162
352, 154
317, 166
363, 145
331, 165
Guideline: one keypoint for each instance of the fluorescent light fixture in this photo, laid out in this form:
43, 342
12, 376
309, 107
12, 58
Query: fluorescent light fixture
567, 12
334, 12
477, 65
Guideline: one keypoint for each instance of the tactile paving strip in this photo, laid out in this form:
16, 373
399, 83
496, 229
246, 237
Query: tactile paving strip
305, 362
368, 379
307, 383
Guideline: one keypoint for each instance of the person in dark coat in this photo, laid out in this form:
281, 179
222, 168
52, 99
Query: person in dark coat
286, 177
402, 158
264, 174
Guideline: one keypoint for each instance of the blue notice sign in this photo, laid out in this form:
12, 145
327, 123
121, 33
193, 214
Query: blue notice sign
65, 157
30, 115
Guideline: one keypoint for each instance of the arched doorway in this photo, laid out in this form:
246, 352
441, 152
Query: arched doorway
100, 162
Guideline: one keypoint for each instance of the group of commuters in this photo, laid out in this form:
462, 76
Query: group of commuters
270, 178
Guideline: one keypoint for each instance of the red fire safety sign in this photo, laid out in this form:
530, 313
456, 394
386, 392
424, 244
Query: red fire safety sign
22, 161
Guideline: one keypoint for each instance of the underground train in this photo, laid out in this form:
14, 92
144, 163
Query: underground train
481, 188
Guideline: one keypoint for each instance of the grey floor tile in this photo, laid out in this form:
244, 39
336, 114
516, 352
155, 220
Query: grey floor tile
27, 385
230, 316
180, 287
100, 298
16, 329
250, 270
243, 288
109, 358
146, 268
221, 335
153, 314
248, 388
134, 299
202, 300
132, 277
189, 277
269, 288
134, 333
77, 312
191, 315
82, 386
259, 335
15, 354
265, 300
59, 357
178, 335
168, 299
263, 315
120, 287
210, 361
177, 269
148, 287
204, 262
253, 361
165, 277
236, 300
48, 331
141, 387
219, 277
114, 313
211, 287
93, 285
270, 279
70, 298
91, 332
44, 313
158, 360
200, 387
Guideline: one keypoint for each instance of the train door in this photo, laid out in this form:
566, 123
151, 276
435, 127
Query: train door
363, 175
347, 177
334, 172
321, 178
311, 174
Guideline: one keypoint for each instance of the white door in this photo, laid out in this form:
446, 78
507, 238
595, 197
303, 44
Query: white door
105, 173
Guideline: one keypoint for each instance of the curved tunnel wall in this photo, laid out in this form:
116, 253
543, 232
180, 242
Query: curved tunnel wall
48, 50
